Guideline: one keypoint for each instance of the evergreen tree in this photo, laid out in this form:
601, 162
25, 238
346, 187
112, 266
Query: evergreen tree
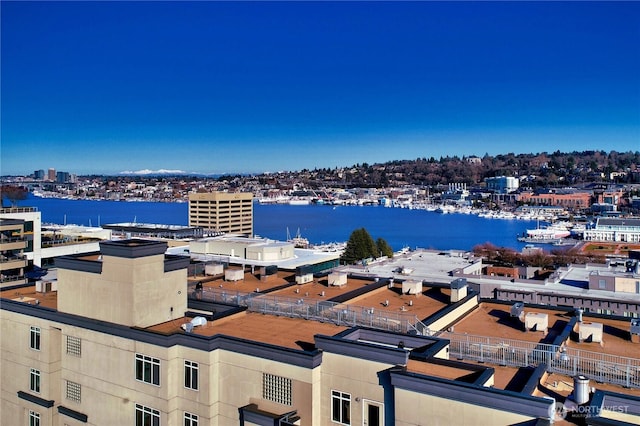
384, 249
360, 246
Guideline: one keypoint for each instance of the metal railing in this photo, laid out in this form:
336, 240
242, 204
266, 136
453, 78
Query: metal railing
319, 310
601, 367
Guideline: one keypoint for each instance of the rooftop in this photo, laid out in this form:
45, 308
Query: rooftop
274, 330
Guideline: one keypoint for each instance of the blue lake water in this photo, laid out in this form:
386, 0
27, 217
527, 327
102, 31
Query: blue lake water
319, 224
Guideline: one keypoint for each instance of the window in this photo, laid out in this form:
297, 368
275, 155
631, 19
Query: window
74, 391
276, 389
146, 416
190, 375
34, 418
190, 419
34, 384
148, 369
341, 407
35, 338
602, 284
74, 346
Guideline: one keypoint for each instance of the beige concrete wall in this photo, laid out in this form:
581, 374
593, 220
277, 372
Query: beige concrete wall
454, 315
413, 409
240, 383
626, 284
355, 376
620, 413
134, 292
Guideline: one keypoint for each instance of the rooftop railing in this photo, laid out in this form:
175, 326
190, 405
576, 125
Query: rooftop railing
601, 367
319, 310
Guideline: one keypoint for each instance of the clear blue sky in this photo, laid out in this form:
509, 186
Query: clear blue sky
244, 87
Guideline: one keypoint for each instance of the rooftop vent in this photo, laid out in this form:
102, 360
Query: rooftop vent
195, 322
517, 309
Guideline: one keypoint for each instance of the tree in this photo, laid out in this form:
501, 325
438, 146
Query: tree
360, 246
384, 249
13, 194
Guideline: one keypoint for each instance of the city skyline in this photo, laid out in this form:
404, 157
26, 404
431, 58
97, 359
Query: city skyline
251, 87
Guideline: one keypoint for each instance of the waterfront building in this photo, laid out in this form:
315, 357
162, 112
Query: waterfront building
153, 349
51, 175
222, 212
614, 229
570, 200
502, 184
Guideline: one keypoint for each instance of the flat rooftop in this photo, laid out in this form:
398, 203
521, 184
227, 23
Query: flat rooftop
291, 333
425, 265
558, 384
494, 320
616, 339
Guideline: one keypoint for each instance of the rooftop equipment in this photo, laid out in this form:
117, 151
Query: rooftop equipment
214, 269
517, 309
233, 275
304, 274
536, 321
337, 279
458, 289
580, 390
635, 330
412, 287
195, 322
590, 332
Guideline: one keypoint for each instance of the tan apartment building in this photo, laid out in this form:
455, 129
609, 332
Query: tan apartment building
222, 212
120, 343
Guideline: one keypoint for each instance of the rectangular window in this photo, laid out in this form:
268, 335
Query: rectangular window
34, 418
190, 419
34, 384
34, 342
276, 389
148, 369
74, 346
146, 416
602, 284
341, 407
190, 375
74, 391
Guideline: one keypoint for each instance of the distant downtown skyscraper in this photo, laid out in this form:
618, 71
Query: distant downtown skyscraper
222, 212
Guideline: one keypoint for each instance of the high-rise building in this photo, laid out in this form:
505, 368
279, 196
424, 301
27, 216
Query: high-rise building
38, 174
222, 212
51, 175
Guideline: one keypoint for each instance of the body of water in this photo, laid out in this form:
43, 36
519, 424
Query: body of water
319, 224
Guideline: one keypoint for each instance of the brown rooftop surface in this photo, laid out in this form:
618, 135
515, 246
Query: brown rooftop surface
248, 284
29, 295
292, 333
442, 371
616, 339
427, 303
560, 386
314, 290
494, 320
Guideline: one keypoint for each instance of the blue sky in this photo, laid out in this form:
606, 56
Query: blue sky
248, 87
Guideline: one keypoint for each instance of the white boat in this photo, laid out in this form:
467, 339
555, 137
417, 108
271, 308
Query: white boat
547, 233
298, 241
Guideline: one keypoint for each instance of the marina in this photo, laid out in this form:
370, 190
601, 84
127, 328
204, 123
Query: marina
319, 224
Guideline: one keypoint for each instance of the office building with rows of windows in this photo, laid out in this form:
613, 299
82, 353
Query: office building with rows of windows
222, 212
126, 340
